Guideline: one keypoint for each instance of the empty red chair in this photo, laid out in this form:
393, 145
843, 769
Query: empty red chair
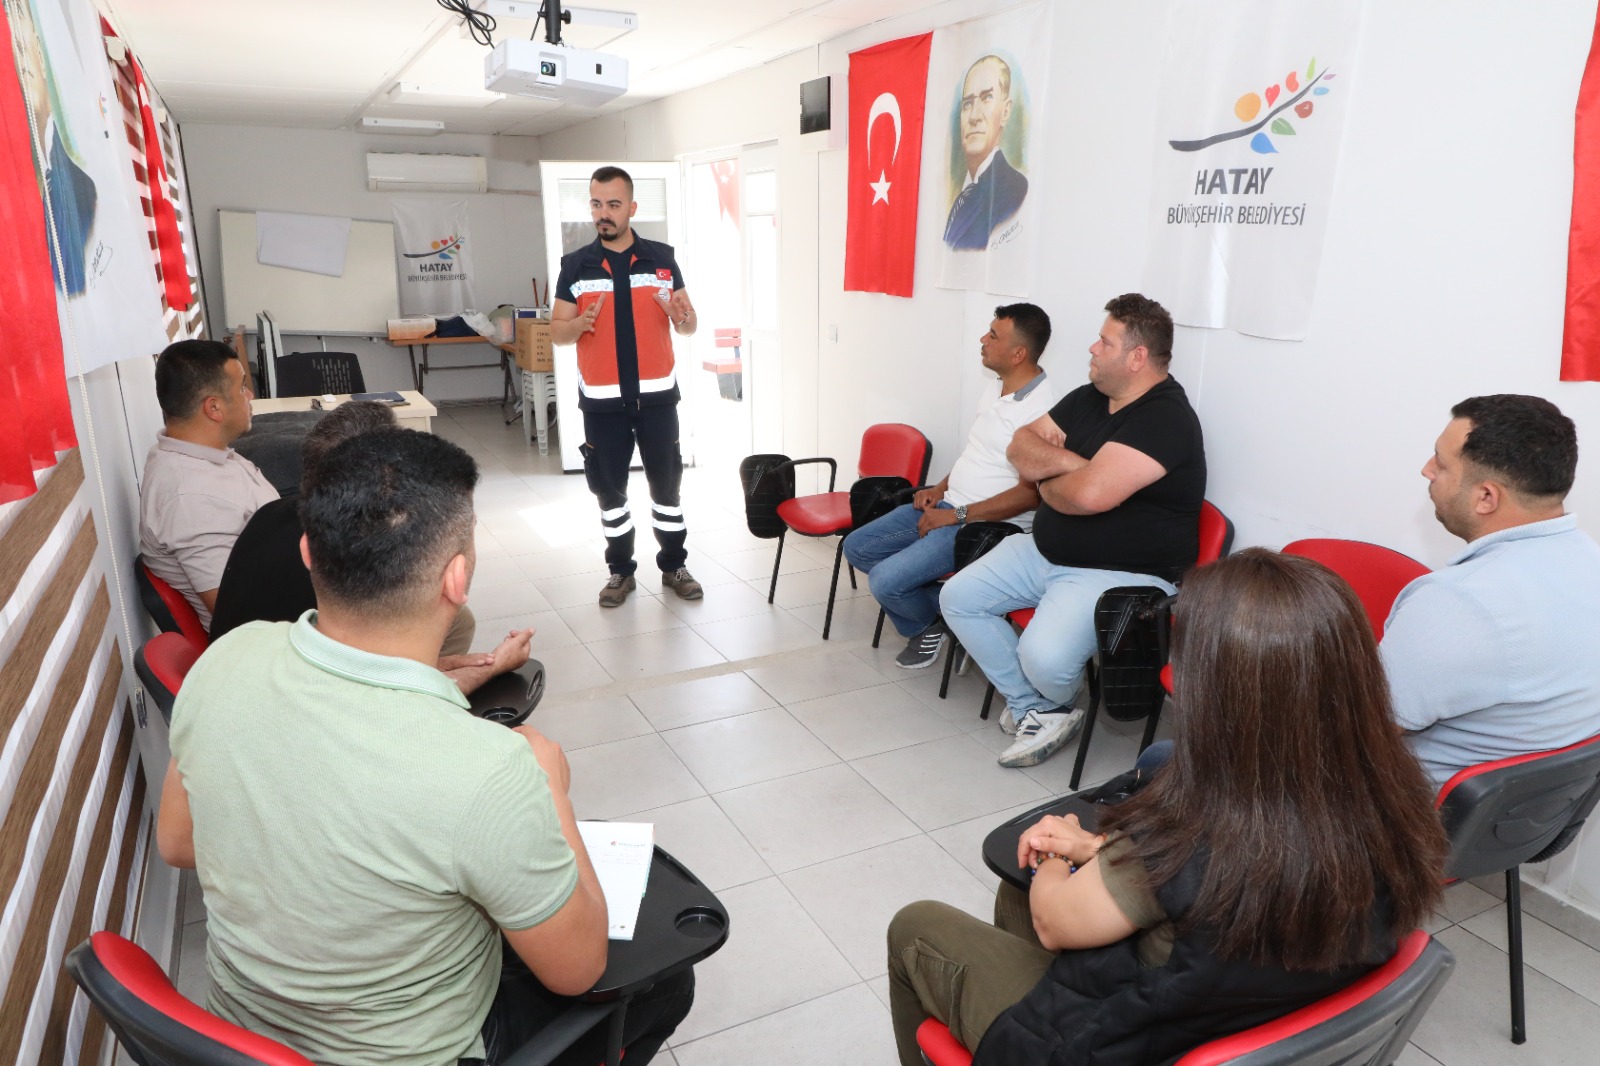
162, 664
888, 450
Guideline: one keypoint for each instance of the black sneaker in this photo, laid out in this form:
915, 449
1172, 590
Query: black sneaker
922, 650
616, 591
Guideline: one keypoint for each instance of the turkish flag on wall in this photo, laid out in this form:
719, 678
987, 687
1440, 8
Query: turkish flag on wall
888, 84
35, 420
1580, 347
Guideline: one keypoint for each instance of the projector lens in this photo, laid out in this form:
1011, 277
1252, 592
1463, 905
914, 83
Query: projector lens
547, 69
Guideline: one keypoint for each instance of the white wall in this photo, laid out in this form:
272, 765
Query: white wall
323, 172
1443, 275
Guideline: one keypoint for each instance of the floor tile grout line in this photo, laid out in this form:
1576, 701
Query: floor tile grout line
866, 982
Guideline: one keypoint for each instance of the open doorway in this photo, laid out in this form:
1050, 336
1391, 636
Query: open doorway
731, 267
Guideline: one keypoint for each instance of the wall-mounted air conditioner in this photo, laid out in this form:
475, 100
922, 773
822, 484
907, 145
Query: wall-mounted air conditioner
417, 172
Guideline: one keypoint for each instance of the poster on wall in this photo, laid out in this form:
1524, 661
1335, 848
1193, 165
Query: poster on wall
433, 253
987, 91
888, 86
107, 297
1252, 113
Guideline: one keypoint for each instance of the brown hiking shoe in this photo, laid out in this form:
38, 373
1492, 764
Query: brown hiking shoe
683, 583
616, 591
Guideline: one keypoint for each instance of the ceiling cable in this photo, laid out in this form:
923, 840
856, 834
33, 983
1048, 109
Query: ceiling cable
480, 24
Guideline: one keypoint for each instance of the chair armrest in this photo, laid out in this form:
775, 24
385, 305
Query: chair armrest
833, 468
568, 1028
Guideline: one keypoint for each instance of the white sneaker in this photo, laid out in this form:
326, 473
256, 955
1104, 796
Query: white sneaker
1040, 735
1008, 721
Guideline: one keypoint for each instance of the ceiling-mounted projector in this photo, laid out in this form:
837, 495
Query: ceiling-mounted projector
555, 72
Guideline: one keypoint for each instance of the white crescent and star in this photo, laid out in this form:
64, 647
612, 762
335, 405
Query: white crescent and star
885, 104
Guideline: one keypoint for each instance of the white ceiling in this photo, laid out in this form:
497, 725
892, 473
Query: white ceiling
325, 64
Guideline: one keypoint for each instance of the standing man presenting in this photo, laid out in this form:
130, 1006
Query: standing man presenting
619, 299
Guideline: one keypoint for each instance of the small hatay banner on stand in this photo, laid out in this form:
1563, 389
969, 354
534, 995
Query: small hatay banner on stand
434, 255
988, 90
888, 87
1252, 113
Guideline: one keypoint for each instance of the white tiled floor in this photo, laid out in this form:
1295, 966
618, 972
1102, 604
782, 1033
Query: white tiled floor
817, 788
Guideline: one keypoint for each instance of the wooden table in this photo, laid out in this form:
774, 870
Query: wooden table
419, 371
416, 413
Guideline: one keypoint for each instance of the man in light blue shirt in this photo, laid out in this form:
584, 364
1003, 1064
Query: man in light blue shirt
1498, 653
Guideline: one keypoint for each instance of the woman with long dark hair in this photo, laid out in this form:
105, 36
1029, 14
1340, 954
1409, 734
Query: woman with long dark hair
1283, 851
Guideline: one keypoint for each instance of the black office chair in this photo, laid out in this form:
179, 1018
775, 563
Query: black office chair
316, 373
1526, 808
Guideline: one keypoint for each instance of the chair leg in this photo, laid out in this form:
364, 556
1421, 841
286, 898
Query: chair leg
949, 666
988, 698
1083, 747
877, 634
1090, 715
851, 568
833, 588
776, 559
1519, 1021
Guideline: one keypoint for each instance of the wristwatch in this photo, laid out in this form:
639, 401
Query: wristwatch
961, 514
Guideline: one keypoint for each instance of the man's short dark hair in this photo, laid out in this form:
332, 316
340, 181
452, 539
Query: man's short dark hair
1524, 440
189, 371
605, 174
1029, 324
1146, 323
339, 425
387, 509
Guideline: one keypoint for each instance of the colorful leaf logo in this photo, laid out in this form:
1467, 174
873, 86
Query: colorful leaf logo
1248, 107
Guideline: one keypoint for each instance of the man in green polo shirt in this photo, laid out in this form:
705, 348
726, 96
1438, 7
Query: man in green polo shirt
371, 853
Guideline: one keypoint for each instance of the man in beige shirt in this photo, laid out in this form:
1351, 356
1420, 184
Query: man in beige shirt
198, 493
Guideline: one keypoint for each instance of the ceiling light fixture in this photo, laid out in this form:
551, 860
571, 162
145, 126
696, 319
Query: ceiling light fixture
416, 127
410, 92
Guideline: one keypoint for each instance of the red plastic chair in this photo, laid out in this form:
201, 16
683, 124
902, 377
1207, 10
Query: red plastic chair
1216, 540
167, 607
1376, 573
162, 664
1366, 1023
887, 450
1525, 808
158, 1026
154, 1022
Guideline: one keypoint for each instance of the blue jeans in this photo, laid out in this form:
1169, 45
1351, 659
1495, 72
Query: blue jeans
903, 569
1040, 670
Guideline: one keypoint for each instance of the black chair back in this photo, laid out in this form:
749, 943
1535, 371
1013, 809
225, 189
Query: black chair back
873, 497
1526, 808
976, 539
1132, 623
768, 480
315, 373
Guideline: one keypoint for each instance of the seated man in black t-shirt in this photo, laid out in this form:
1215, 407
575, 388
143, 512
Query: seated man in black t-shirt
266, 578
1121, 470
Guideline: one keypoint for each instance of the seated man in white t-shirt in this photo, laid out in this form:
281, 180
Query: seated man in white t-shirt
907, 551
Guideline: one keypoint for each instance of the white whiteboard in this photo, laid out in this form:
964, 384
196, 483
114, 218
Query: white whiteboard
362, 301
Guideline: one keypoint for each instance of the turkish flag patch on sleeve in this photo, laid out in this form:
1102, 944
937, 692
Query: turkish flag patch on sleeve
888, 88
